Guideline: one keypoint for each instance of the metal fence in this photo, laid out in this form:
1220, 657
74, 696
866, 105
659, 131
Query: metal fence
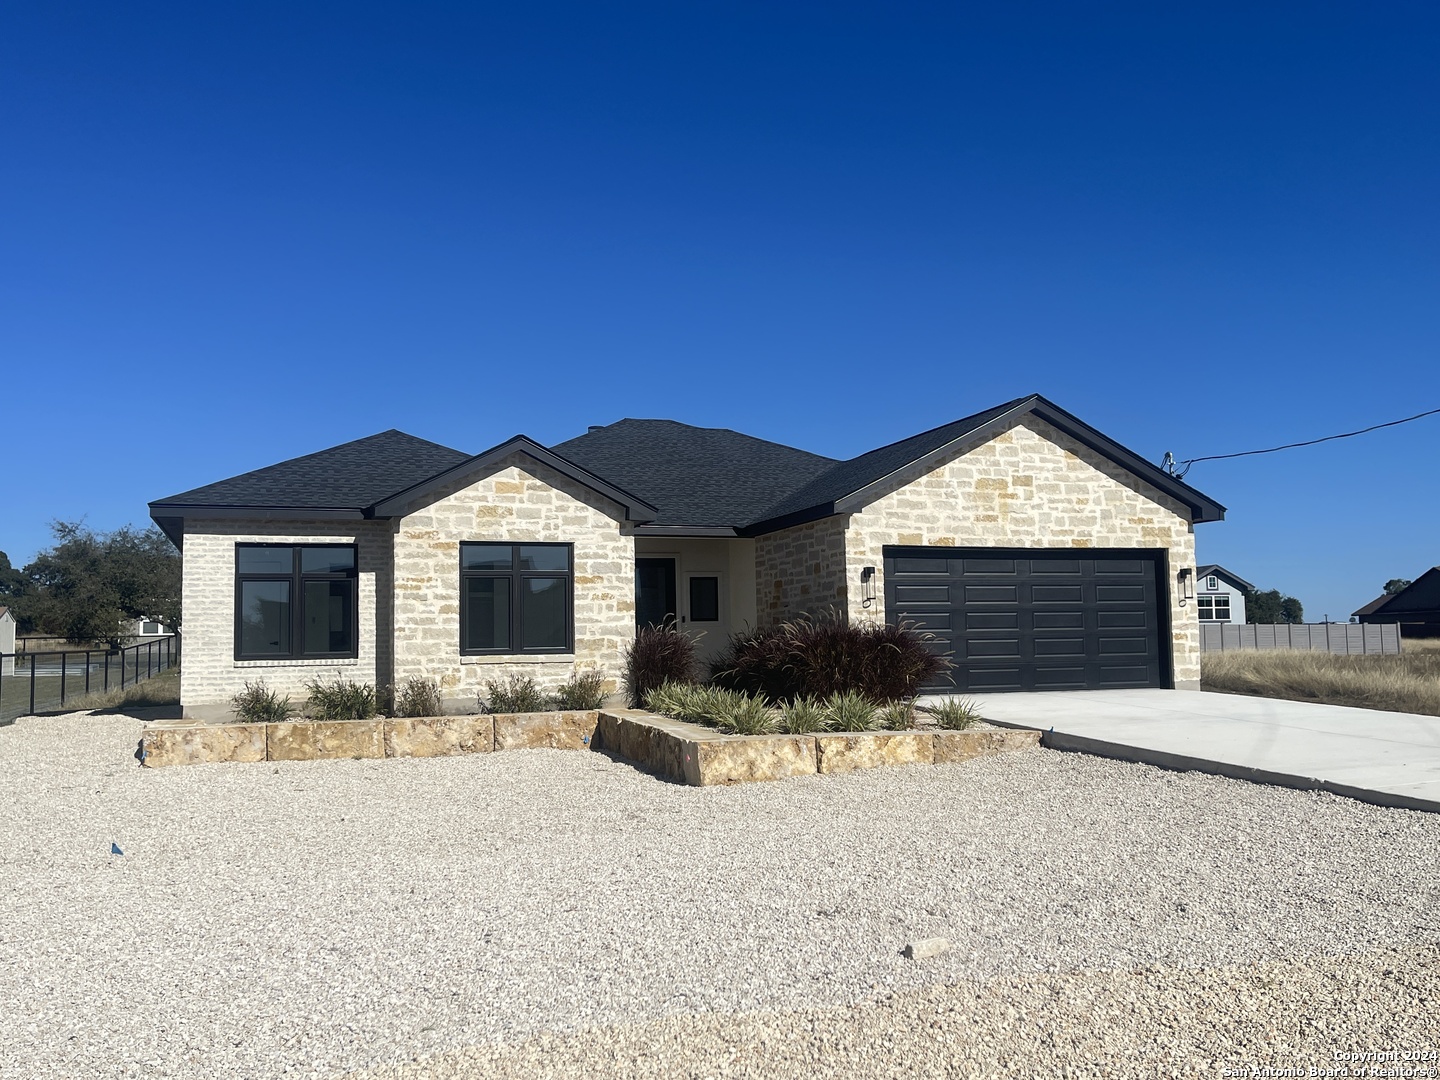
44, 681
1343, 638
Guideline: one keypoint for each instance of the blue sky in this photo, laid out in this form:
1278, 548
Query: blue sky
237, 233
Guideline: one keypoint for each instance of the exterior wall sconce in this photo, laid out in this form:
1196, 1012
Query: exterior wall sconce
867, 586
1187, 585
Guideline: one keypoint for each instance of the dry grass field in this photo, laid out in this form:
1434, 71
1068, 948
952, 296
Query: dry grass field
1409, 682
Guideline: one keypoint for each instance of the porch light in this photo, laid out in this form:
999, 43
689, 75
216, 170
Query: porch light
1187, 585
867, 586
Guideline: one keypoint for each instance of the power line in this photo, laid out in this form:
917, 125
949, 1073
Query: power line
1184, 466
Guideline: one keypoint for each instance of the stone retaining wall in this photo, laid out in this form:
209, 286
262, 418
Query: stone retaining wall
684, 753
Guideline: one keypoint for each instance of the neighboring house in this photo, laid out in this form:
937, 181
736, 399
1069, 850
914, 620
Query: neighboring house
1220, 595
1039, 552
143, 628
1416, 607
7, 641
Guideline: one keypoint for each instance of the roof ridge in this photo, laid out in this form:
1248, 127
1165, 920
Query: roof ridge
726, 430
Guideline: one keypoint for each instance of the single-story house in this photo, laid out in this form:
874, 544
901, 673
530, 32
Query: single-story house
1220, 595
1416, 607
1039, 552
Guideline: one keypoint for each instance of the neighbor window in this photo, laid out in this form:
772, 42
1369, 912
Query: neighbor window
1213, 608
295, 601
516, 598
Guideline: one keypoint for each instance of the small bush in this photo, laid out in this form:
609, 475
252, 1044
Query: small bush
897, 715
803, 716
585, 690
418, 697
341, 700
258, 704
954, 714
517, 694
850, 711
819, 657
743, 714
657, 655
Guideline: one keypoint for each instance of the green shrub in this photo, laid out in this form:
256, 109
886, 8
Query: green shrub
954, 714
803, 716
585, 690
819, 657
418, 697
341, 700
897, 715
744, 714
850, 711
657, 655
517, 694
258, 704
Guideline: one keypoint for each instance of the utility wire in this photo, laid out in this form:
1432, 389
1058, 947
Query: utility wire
1184, 466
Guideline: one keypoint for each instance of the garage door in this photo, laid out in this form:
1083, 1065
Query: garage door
1034, 620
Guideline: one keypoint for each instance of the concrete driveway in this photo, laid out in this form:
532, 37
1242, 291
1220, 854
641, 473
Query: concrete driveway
1388, 758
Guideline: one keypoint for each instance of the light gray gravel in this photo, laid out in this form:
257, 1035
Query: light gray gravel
315, 917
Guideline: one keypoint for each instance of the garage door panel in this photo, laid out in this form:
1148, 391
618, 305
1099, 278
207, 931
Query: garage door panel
992, 620
1057, 594
1015, 620
992, 594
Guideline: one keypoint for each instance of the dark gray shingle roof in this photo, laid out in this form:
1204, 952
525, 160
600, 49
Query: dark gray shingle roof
694, 476
351, 476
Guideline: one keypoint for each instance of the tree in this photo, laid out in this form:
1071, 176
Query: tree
1273, 606
83, 587
1397, 584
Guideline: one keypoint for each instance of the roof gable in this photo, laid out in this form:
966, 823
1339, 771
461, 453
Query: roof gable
1220, 572
851, 485
1422, 594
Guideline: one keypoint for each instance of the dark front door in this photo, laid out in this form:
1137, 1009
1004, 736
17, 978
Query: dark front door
654, 592
1034, 619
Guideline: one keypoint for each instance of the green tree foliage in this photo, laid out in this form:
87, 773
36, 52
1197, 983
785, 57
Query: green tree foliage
13, 587
1273, 606
83, 587
1397, 584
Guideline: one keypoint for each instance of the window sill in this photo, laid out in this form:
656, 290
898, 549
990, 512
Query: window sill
520, 658
334, 661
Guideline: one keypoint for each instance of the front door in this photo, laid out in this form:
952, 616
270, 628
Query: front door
654, 592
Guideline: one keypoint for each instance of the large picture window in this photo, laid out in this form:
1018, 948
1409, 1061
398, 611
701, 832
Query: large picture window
295, 601
516, 598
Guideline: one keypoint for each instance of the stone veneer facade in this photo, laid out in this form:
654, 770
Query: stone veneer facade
800, 570
521, 500
1031, 486
209, 672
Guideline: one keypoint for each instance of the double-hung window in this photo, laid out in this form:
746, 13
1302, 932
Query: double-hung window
517, 598
295, 601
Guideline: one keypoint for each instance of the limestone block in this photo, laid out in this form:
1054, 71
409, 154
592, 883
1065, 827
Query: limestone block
844, 753
741, 759
548, 730
956, 746
315, 740
197, 744
439, 736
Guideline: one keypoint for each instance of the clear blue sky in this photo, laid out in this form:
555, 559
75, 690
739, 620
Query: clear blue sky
237, 233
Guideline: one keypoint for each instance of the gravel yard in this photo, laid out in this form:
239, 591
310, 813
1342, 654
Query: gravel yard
320, 918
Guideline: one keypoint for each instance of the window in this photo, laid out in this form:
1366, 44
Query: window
704, 598
1212, 582
151, 629
516, 598
1213, 608
294, 601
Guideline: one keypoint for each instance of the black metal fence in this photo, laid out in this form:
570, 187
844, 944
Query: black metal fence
34, 682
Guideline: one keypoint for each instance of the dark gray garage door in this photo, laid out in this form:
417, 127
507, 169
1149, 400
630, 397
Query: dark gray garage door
1035, 620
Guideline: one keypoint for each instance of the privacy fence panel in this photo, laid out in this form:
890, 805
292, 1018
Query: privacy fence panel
1343, 638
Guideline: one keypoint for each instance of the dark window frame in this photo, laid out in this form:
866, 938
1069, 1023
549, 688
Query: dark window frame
296, 580
516, 576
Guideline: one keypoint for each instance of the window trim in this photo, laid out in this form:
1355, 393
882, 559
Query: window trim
515, 576
1213, 599
296, 580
